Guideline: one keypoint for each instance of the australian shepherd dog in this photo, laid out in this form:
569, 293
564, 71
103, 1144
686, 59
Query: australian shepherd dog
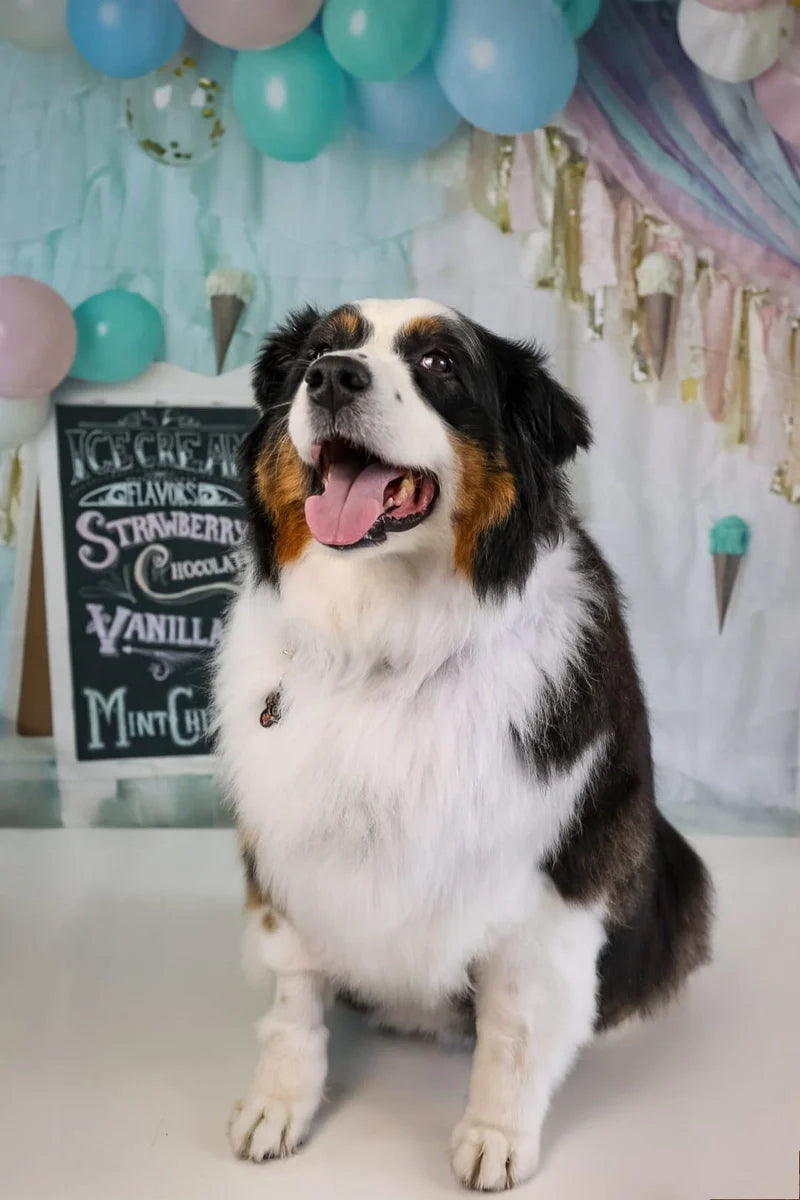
432, 731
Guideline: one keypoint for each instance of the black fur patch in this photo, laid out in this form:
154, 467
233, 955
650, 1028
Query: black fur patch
619, 849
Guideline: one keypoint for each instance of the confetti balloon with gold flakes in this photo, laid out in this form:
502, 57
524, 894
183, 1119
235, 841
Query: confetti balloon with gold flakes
175, 113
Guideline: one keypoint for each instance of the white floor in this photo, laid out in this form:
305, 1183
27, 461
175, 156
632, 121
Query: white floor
125, 1033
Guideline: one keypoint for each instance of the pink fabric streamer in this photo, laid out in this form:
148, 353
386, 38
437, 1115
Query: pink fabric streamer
598, 221
770, 433
717, 333
628, 216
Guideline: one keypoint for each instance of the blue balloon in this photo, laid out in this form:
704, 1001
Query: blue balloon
125, 38
509, 66
408, 117
290, 99
119, 335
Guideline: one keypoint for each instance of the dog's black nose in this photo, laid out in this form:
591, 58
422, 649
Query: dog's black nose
336, 380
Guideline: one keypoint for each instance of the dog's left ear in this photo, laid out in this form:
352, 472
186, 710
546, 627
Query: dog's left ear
279, 356
538, 409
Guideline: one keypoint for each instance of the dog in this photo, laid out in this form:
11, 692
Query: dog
432, 732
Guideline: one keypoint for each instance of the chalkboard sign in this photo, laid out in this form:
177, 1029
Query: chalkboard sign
153, 533
144, 549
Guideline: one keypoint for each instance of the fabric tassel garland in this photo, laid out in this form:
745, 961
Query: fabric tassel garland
490, 166
598, 269
689, 331
736, 415
567, 229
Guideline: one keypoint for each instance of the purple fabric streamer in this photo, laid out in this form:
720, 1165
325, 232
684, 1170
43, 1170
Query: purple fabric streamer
676, 142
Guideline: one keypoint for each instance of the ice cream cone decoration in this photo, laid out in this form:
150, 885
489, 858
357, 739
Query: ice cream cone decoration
729, 540
658, 278
228, 291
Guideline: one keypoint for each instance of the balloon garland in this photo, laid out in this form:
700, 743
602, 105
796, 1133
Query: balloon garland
507, 67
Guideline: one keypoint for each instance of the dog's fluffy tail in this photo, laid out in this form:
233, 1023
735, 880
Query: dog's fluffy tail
647, 957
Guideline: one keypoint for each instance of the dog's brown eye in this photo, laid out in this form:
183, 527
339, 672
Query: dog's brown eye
320, 350
436, 361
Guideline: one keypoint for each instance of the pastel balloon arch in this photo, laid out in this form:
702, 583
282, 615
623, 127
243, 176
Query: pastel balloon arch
305, 67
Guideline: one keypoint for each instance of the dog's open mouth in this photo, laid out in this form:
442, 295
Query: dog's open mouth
363, 499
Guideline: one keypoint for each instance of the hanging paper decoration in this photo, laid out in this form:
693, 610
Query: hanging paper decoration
658, 278
506, 67
375, 40
119, 335
690, 360
728, 544
228, 291
290, 100
567, 207
10, 496
36, 25
250, 24
175, 113
783, 349
125, 38
489, 177
777, 92
737, 45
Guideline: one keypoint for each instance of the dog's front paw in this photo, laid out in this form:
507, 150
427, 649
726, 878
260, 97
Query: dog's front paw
489, 1158
263, 1127
274, 1119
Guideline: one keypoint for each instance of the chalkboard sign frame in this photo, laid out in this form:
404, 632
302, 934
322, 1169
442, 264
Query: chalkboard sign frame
83, 783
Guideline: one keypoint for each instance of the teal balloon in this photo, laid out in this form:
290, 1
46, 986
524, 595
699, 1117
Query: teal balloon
291, 100
380, 39
119, 335
580, 15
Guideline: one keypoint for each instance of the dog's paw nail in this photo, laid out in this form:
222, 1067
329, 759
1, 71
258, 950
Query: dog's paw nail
267, 1127
487, 1158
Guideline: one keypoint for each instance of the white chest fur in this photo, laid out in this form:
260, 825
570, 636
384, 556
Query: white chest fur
393, 818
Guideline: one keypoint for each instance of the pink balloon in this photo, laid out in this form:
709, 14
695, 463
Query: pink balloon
250, 24
38, 338
777, 93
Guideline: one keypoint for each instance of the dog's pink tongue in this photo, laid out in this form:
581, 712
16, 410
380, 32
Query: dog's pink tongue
351, 503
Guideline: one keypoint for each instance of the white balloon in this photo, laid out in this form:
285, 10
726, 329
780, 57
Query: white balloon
21, 420
39, 25
734, 46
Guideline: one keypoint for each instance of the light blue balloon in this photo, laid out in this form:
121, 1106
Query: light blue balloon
408, 117
119, 335
507, 66
290, 100
580, 14
126, 38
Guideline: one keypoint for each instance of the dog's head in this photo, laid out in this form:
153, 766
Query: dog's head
402, 428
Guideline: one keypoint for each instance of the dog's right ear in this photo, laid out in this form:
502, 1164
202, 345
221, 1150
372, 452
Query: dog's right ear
279, 355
